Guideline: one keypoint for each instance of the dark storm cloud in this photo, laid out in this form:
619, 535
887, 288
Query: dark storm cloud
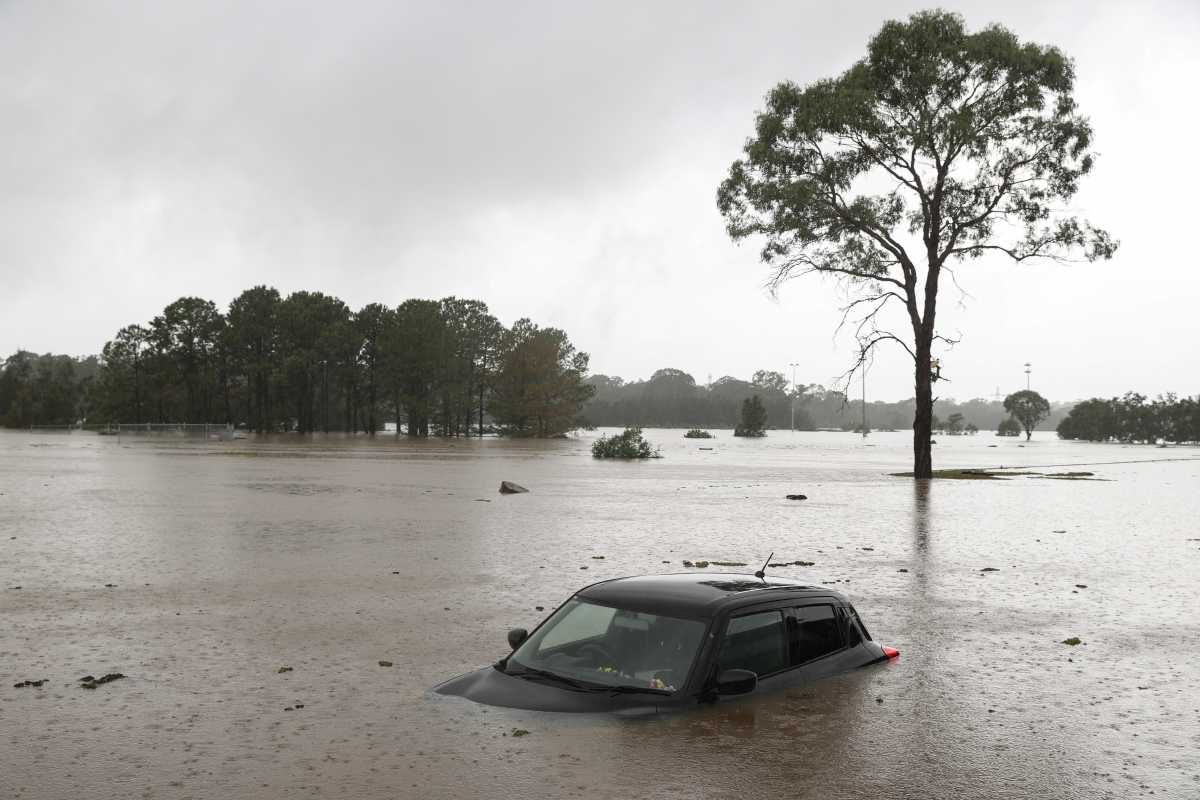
554, 159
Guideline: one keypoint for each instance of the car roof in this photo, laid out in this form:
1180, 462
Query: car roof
696, 594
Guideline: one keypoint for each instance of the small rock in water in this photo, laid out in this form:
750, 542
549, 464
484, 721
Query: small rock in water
508, 487
583, 567
1081, 586
519, 732
110, 586
687, 563
35, 684
1074, 640
598, 558
990, 569
282, 670
381, 663
797, 497
902, 569
538, 608
869, 548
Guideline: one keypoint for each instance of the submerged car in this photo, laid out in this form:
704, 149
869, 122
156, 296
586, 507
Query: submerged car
654, 643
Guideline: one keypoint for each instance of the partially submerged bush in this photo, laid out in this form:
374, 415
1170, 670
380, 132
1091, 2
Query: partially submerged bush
697, 433
629, 444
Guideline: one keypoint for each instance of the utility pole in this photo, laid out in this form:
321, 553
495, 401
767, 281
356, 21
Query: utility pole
1028, 369
793, 365
864, 396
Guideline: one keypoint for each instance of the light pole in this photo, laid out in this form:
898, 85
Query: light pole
864, 421
793, 365
1028, 369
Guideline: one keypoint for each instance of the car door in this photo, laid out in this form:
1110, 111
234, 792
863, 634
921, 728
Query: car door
816, 639
785, 644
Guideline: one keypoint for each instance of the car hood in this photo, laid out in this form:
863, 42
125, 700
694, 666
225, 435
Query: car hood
493, 687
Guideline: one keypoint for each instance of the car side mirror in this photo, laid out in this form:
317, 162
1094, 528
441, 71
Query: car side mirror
737, 681
516, 637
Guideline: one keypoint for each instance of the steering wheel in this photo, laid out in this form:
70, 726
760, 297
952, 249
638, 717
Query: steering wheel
602, 656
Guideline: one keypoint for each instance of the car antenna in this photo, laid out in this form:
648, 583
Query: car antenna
762, 573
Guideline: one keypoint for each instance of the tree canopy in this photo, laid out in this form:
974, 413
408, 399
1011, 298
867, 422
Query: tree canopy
1027, 407
307, 362
1134, 418
939, 146
754, 418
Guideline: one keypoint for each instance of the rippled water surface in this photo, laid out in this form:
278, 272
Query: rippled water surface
198, 569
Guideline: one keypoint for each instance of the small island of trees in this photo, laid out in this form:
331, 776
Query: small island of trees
754, 418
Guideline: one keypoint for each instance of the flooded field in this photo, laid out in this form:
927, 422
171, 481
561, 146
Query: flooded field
197, 570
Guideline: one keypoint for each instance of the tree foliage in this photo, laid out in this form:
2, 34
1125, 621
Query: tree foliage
927, 152
1009, 426
628, 444
754, 418
1134, 418
45, 389
1027, 407
307, 362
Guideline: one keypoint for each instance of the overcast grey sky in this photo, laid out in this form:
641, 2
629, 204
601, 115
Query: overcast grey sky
556, 160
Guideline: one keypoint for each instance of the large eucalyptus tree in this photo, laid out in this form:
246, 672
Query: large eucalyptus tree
940, 145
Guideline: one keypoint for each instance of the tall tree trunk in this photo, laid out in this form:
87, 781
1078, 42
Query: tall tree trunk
923, 420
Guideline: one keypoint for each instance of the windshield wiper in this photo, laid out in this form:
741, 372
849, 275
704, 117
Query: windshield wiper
635, 690
530, 672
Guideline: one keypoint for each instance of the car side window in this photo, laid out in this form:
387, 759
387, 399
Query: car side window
858, 621
813, 632
755, 642
850, 631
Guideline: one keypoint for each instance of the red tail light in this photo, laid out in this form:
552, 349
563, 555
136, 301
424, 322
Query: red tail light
891, 652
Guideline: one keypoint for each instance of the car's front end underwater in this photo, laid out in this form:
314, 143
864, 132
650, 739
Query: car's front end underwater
657, 643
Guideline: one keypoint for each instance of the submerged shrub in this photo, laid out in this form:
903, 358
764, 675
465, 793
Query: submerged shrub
629, 444
697, 433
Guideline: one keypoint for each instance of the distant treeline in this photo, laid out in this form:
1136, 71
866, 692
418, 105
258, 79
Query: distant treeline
307, 362
1133, 418
672, 399
46, 389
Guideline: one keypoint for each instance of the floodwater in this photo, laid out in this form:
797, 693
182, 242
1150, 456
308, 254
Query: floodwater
229, 560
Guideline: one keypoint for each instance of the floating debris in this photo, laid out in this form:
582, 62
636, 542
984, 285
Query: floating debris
89, 682
796, 496
1074, 640
598, 558
519, 732
778, 564
382, 664
728, 563
282, 670
34, 684
990, 569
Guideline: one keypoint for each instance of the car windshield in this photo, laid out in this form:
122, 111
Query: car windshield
606, 646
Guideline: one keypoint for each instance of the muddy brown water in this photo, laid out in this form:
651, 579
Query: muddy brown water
228, 560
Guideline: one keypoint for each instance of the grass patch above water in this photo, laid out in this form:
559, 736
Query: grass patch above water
1002, 475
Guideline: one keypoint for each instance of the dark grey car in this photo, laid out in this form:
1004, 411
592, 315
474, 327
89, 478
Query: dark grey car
660, 642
